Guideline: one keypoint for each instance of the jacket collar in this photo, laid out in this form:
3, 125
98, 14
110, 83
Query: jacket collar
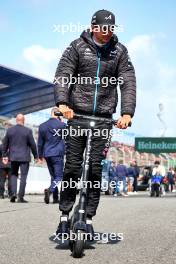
87, 36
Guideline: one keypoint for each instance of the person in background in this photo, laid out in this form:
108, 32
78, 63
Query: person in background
106, 164
170, 177
120, 177
159, 170
131, 175
51, 147
112, 171
174, 179
19, 141
4, 175
135, 183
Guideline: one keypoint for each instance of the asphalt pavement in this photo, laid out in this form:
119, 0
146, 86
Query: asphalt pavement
135, 229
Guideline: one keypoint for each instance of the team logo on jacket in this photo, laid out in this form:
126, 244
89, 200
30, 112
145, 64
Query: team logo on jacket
113, 53
87, 53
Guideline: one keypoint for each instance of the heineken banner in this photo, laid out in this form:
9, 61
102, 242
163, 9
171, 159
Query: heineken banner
155, 145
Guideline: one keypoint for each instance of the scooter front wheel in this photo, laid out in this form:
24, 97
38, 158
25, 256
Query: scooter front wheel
78, 244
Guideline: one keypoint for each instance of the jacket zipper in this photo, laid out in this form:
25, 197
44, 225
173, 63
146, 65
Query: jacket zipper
97, 84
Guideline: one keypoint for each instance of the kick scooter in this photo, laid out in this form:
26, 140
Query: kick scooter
78, 219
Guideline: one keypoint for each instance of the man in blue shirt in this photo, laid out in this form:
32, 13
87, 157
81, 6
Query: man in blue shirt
120, 176
51, 146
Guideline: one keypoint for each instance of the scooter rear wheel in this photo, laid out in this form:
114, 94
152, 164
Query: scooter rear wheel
78, 244
72, 221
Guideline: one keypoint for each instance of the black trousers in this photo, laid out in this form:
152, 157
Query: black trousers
24, 168
135, 188
75, 146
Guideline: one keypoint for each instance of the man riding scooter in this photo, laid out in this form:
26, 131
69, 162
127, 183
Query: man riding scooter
96, 55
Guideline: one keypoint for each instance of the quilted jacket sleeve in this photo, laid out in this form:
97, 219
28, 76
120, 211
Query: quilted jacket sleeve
67, 66
128, 88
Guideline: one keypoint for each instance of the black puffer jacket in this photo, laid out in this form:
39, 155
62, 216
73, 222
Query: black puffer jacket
84, 59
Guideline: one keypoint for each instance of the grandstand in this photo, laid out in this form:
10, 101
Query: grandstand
127, 153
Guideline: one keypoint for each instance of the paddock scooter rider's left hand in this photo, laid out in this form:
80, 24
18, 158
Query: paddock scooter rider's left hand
123, 122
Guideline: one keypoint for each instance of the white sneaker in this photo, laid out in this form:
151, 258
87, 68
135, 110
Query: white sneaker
124, 194
115, 195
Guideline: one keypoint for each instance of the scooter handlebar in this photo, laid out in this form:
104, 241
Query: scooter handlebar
93, 118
